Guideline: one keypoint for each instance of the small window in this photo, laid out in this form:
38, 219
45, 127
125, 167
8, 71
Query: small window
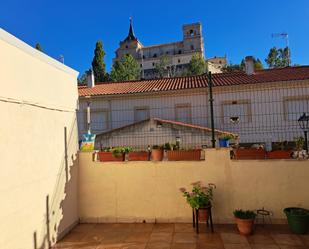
98, 120
236, 112
192, 47
141, 113
178, 60
220, 62
166, 52
141, 65
126, 46
154, 55
183, 113
153, 64
191, 32
144, 57
179, 51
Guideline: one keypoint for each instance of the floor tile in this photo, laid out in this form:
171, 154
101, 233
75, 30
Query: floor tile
264, 246
209, 239
184, 228
287, 239
236, 246
292, 247
305, 239
185, 238
231, 238
163, 228
138, 237
183, 246
260, 239
158, 245
161, 237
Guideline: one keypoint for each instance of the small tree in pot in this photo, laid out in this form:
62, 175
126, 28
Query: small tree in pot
244, 221
157, 152
200, 198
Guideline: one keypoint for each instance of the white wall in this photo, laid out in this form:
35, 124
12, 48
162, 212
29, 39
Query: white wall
38, 100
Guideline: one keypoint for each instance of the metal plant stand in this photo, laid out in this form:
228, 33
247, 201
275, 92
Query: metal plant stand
195, 219
264, 215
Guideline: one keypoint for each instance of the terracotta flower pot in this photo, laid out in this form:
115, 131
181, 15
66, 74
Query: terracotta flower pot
279, 154
249, 153
109, 157
157, 155
203, 214
245, 226
183, 155
139, 156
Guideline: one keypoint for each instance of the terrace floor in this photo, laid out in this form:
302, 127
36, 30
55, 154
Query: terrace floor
179, 236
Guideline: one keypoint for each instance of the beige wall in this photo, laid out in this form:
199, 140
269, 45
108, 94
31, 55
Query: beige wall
137, 191
37, 101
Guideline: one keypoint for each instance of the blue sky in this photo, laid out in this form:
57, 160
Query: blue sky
236, 28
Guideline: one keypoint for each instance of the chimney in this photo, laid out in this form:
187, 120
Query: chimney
90, 78
249, 65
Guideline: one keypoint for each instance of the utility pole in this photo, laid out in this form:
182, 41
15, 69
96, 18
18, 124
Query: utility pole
286, 37
211, 100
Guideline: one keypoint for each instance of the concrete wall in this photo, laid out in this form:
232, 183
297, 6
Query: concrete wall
137, 191
38, 100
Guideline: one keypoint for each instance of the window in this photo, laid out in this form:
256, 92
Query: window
295, 107
98, 120
236, 111
178, 60
154, 55
144, 57
141, 65
179, 51
191, 32
153, 64
141, 113
166, 52
192, 47
126, 46
183, 113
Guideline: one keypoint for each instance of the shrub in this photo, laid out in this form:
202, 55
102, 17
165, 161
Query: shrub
244, 214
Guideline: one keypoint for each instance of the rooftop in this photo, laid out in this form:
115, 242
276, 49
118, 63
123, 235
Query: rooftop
194, 82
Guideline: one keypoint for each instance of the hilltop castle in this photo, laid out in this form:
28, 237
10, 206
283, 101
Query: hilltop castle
177, 54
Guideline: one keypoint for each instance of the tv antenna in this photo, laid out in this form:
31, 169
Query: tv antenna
285, 36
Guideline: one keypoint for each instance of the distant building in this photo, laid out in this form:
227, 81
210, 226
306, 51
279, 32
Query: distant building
178, 53
216, 64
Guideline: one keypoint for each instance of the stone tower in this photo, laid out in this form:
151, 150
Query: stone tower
193, 38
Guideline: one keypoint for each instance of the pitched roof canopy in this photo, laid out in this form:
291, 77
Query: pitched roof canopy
194, 82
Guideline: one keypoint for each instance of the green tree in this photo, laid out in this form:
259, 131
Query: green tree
241, 67
161, 67
82, 79
98, 64
197, 65
125, 69
278, 58
39, 47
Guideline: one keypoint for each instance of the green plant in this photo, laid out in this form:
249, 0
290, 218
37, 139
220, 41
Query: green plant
226, 137
299, 143
200, 196
171, 146
106, 149
244, 214
157, 147
283, 145
117, 151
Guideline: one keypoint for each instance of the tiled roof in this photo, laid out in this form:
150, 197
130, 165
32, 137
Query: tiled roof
170, 122
193, 82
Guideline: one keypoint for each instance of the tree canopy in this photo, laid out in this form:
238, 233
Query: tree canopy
278, 58
197, 65
241, 67
98, 64
125, 69
39, 47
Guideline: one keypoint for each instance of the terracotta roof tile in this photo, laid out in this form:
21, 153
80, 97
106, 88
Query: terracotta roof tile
193, 82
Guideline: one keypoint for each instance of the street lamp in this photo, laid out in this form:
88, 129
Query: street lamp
303, 122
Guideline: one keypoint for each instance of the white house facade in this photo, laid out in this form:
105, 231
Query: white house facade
261, 107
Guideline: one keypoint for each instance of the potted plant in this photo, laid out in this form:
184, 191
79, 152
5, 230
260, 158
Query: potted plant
109, 154
255, 152
280, 150
299, 152
138, 155
244, 221
224, 140
157, 153
200, 198
174, 153
298, 219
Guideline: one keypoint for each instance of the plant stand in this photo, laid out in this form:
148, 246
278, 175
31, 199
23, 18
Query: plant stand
195, 219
